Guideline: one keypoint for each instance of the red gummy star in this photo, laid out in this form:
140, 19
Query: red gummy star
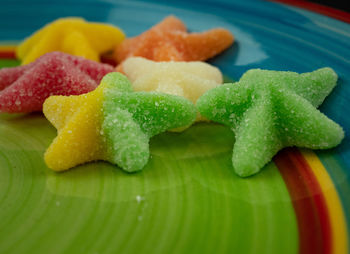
170, 41
24, 89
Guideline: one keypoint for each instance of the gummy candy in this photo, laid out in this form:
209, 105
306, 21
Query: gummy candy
71, 35
269, 110
188, 79
111, 123
25, 88
169, 40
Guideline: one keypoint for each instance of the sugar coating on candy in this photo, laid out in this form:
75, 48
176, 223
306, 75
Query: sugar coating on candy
111, 123
25, 88
71, 35
187, 79
170, 41
269, 110
313, 86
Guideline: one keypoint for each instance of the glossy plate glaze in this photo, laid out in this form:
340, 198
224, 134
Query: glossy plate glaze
187, 199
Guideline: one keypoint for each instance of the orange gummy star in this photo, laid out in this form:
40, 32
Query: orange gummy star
170, 41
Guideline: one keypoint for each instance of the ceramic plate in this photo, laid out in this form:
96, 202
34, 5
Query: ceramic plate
187, 199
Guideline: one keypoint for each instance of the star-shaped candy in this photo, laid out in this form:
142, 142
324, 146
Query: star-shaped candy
111, 123
187, 79
169, 40
71, 35
269, 110
25, 88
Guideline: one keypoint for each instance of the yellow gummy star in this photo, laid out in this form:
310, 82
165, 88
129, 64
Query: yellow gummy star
70, 35
77, 119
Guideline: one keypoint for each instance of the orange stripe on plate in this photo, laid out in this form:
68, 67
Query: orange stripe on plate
335, 209
8, 47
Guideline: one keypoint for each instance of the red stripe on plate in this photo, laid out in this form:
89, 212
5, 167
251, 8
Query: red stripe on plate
8, 54
308, 201
322, 9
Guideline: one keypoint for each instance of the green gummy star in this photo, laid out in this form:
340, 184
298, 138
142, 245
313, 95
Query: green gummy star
130, 119
269, 110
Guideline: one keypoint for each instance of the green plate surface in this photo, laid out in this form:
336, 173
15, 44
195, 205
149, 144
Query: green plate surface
186, 198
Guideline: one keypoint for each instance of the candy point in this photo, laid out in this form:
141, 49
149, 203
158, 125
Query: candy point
116, 80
